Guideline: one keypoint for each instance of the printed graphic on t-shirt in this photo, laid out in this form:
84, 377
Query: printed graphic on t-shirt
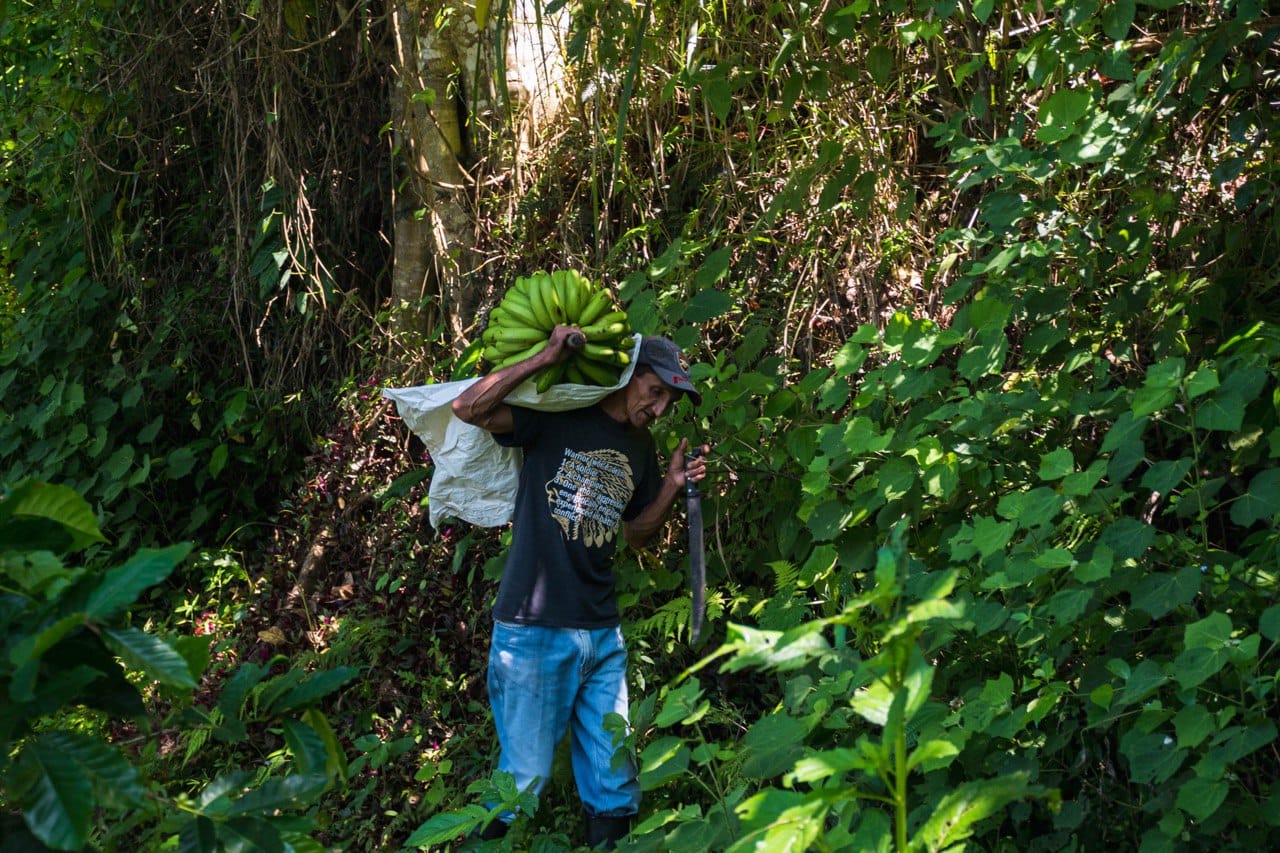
589, 492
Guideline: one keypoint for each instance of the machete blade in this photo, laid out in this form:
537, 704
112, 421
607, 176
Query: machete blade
697, 559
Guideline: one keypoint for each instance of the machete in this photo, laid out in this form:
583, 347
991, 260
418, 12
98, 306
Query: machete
697, 559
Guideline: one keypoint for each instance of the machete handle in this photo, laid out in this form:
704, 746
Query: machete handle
690, 487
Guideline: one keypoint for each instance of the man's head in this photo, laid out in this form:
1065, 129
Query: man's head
664, 359
659, 378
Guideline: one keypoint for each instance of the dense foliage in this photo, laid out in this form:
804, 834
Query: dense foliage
983, 297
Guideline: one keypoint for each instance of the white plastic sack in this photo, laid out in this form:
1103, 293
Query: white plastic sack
475, 478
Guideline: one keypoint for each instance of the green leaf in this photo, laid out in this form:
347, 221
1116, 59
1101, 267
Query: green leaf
316, 687
336, 765
1126, 429
985, 355
1117, 18
1061, 112
662, 760
180, 462
446, 827
779, 650
952, 820
707, 305
932, 752
1031, 508
1202, 381
1223, 412
991, 536
713, 268
1153, 758
1269, 623
60, 801
1057, 464
828, 519
250, 835
1201, 797
849, 359
235, 691
879, 64
296, 791
685, 705
1164, 477
1128, 537
122, 585
39, 516
1193, 724
1144, 680
772, 745
1211, 632
1193, 666
151, 655
828, 763
306, 745
1160, 592
118, 464
1260, 501
198, 836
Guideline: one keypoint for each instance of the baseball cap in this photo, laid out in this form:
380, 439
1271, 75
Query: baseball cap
664, 359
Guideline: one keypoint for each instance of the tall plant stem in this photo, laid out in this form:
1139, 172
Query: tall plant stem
900, 785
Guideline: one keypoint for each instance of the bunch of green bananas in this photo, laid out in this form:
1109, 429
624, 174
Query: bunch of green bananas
522, 322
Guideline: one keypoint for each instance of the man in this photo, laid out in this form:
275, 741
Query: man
557, 660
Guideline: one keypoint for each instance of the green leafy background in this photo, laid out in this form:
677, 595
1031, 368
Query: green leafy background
982, 300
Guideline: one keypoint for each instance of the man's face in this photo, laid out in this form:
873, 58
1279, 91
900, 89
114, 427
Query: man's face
647, 398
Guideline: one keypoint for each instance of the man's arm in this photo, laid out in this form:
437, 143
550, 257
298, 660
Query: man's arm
641, 529
481, 404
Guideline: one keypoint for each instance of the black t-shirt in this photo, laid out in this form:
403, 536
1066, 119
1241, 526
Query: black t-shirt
584, 473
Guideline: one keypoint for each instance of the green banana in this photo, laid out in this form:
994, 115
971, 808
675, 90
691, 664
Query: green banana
606, 354
598, 373
551, 299
541, 311
521, 335
523, 354
595, 307
548, 376
574, 374
609, 325
517, 310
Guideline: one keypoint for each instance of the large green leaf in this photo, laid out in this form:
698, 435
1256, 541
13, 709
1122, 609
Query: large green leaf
151, 655
122, 585
295, 791
1160, 592
779, 650
952, 820
707, 305
443, 828
309, 692
43, 517
662, 760
1201, 796
1260, 501
59, 802
772, 745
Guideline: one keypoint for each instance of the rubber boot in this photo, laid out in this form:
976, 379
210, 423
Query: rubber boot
603, 833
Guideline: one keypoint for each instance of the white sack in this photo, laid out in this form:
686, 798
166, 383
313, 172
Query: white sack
475, 478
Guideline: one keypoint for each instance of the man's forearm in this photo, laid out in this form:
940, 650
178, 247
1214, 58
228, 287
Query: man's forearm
481, 404
639, 530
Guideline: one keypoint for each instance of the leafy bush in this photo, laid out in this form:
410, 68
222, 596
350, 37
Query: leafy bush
66, 632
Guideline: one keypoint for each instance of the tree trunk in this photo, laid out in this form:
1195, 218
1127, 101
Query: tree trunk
449, 127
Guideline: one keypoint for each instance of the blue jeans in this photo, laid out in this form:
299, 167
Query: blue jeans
543, 681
